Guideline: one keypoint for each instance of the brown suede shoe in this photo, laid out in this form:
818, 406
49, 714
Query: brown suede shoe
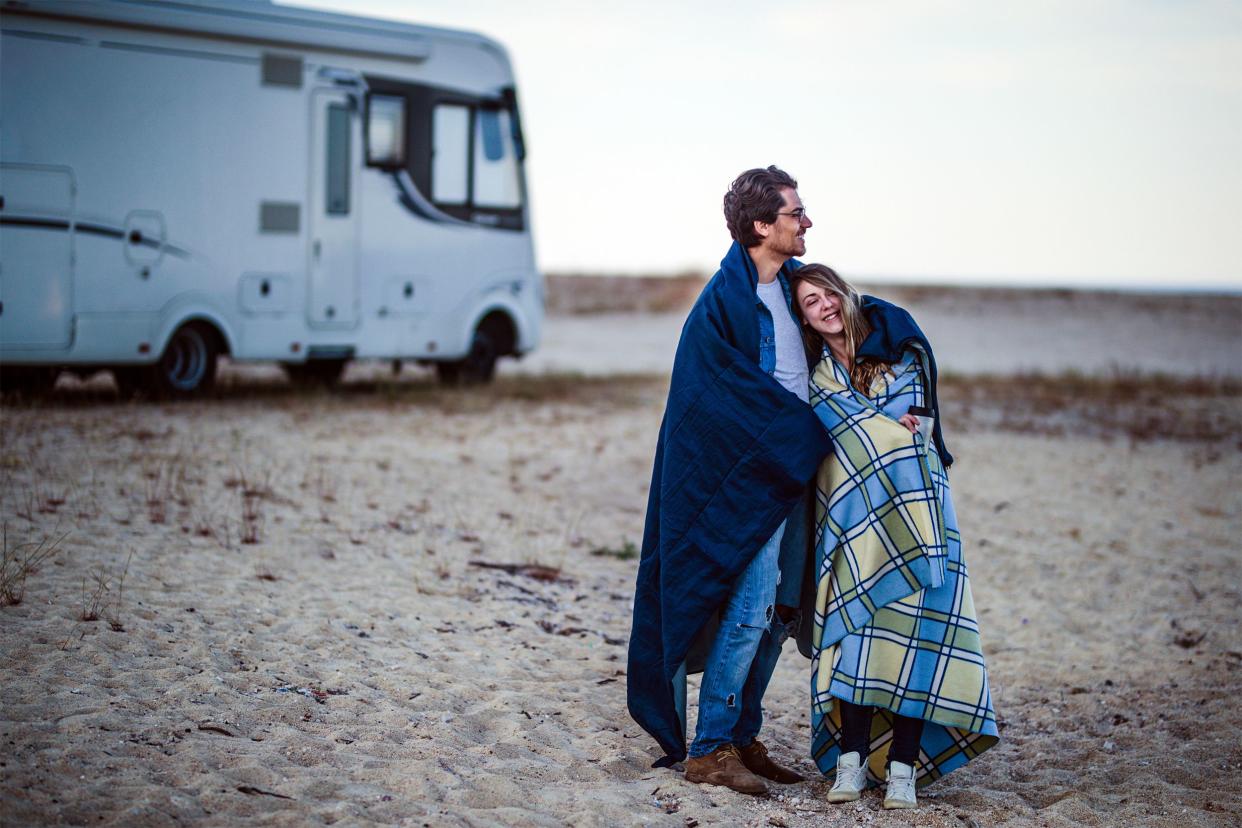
723, 766
755, 758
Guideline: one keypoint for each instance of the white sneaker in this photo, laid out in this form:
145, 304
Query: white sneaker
851, 778
900, 793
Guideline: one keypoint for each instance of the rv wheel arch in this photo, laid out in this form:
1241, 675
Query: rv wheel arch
186, 366
495, 336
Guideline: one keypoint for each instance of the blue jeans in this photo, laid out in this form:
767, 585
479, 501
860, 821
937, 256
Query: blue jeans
742, 657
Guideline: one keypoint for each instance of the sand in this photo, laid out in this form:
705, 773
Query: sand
291, 626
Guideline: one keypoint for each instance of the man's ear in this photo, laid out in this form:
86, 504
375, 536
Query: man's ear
762, 229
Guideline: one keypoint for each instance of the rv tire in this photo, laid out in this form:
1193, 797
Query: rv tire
478, 366
186, 368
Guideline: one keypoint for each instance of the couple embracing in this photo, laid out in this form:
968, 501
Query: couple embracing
800, 489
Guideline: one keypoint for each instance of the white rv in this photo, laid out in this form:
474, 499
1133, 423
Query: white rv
181, 179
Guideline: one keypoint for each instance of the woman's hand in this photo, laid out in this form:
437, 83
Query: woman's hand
909, 421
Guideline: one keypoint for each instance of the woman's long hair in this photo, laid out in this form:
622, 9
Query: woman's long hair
863, 374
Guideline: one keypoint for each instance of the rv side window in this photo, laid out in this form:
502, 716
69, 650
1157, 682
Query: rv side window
495, 161
450, 153
385, 131
338, 160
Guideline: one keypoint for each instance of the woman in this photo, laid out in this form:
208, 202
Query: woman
898, 676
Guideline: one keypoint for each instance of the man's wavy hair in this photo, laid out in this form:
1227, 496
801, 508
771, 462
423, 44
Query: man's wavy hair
755, 195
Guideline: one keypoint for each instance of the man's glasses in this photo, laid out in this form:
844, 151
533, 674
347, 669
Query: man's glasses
798, 215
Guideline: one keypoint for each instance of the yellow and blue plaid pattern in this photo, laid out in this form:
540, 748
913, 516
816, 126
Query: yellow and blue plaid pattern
895, 624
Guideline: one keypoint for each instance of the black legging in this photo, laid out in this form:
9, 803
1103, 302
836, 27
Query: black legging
856, 733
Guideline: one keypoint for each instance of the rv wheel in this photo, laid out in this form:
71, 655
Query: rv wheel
479, 366
187, 366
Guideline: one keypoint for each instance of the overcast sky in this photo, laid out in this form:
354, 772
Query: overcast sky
1068, 142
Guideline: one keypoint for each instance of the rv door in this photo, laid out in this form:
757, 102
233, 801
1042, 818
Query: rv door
333, 253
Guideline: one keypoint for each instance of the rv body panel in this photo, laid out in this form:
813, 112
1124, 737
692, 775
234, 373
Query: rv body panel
36, 311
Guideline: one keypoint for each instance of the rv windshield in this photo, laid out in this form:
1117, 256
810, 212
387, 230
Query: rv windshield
463, 153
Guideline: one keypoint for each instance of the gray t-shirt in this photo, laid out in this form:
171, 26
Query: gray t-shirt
790, 356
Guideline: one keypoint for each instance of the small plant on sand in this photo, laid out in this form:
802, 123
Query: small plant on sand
252, 495
251, 517
26, 509
41, 499
442, 573
50, 501
250, 484
181, 482
544, 559
156, 487
91, 601
325, 493
19, 562
100, 598
627, 551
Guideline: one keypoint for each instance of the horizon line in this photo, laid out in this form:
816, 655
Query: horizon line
947, 281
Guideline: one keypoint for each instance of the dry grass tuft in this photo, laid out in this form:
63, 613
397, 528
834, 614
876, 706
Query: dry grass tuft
626, 551
19, 562
325, 488
253, 492
106, 596
156, 499
251, 517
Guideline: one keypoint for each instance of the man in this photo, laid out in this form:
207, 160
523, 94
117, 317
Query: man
737, 448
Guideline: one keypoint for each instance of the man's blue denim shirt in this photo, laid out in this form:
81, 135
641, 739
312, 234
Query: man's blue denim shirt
767, 328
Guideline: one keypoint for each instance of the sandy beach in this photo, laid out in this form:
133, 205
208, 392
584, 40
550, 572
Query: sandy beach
393, 604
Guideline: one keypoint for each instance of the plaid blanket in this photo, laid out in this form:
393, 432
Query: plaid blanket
895, 624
